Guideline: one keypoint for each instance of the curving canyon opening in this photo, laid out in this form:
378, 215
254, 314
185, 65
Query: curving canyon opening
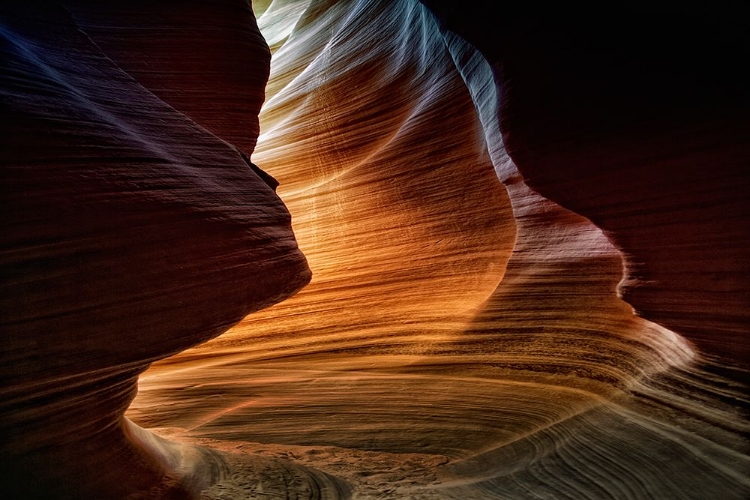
373, 249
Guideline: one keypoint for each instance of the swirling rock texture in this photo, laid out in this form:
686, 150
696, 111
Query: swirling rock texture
130, 231
527, 235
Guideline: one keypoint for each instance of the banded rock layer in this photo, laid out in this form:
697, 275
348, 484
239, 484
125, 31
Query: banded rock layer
637, 120
129, 232
461, 337
467, 332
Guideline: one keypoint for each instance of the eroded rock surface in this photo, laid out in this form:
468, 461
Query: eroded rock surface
482, 206
637, 118
461, 337
129, 232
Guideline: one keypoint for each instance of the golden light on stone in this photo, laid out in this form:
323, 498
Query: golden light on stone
467, 285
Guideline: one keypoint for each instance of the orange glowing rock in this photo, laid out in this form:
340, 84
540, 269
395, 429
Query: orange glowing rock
509, 294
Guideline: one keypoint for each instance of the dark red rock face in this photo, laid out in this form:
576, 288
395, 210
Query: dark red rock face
210, 62
638, 120
130, 230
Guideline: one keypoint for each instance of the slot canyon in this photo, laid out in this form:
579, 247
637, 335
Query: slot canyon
374, 249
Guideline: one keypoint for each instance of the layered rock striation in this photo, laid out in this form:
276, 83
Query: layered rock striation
131, 230
638, 121
461, 337
527, 237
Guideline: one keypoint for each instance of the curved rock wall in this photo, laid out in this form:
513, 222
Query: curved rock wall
129, 232
637, 118
469, 329
461, 337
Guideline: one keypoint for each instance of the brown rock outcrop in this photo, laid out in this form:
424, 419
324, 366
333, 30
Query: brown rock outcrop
637, 118
462, 337
480, 227
129, 232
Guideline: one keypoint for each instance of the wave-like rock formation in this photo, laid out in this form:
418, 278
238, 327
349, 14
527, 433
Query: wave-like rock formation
130, 231
526, 281
638, 121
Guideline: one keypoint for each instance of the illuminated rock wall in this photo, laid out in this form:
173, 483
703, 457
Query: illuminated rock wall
469, 329
631, 119
461, 337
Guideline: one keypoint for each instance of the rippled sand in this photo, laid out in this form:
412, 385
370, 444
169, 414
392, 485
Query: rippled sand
462, 336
